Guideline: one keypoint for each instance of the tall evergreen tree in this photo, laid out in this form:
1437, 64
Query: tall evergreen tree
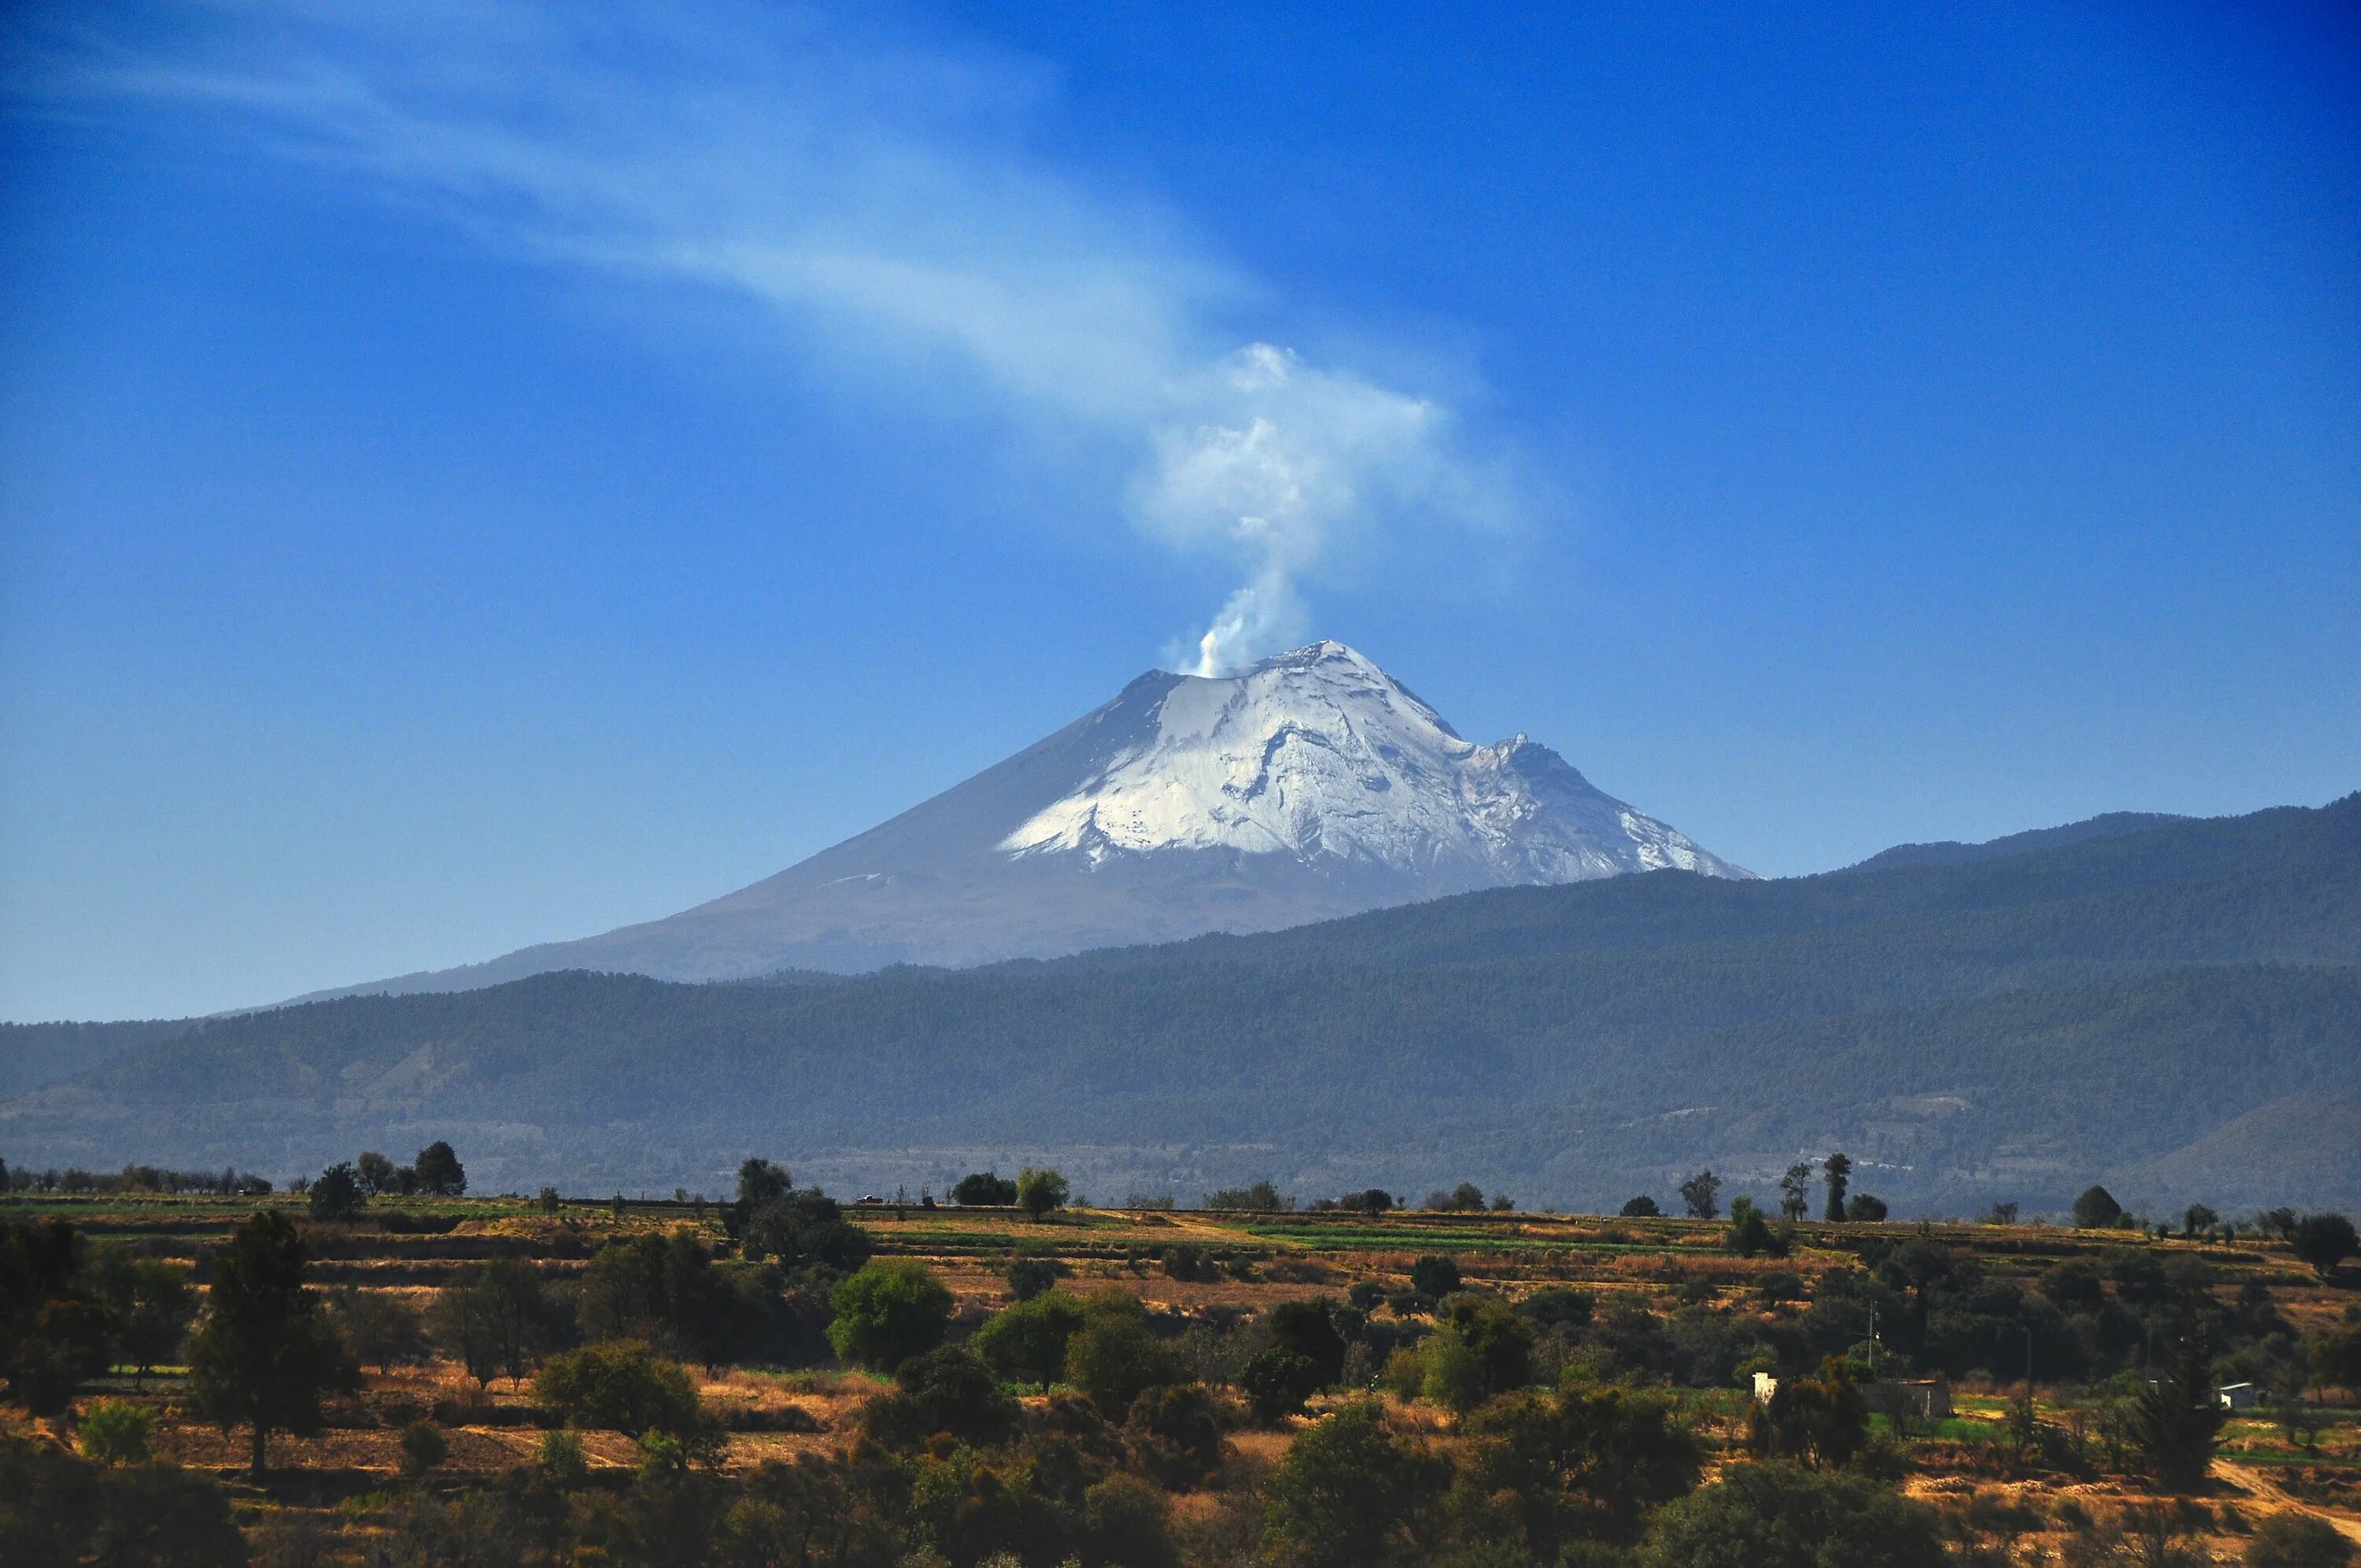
1837, 1169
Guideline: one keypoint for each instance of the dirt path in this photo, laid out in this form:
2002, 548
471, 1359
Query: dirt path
2256, 1480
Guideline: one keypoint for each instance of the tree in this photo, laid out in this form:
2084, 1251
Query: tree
439, 1171
151, 1301
1175, 1432
1277, 1383
2198, 1218
1750, 1233
803, 1228
1466, 1198
983, 1188
1028, 1276
1865, 1209
1641, 1208
1795, 1190
1040, 1191
493, 1318
1813, 1421
888, 1312
1114, 1358
381, 1329
1837, 1172
337, 1193
1347, 1495
266, 1352
375, 1173
2096, 1208
759, 1181
1776, 1515
945, 1390
1026, 1342
2324, 1241
621, 1386
1584, 1465
423, 1448
1435, 1276
1373, 1200
2175, 1419
1701, 1192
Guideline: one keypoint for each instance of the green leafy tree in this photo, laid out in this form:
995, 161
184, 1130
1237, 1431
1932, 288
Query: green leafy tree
2096, 1210
115, 1431
2198, 1218
439, 1171
1028, 1276
1776, 1515
948, 1392
804, 1229
2324, 1241
760, 1181
1308, 1329
1701, 1193
423, 1448
1584, 1465
1865, 1209
1349, 1495
983, 1188
375, 1173
267, 1352
336, 1193
1434, 1276
1039, 1192
58, 1508
624, 1387
1750, 1233
1026, 1342
889, 1311
1278, 1381
1837, 1172
1176, 1434
1641, 1208
151, 1301
1114, 1358
1813, 1420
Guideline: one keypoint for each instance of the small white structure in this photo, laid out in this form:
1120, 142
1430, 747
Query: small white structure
1764, 1386
2238, 1395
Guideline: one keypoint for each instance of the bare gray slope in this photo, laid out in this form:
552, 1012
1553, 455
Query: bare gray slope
1310, 786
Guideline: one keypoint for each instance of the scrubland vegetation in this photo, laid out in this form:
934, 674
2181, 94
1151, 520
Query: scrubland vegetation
215, 1377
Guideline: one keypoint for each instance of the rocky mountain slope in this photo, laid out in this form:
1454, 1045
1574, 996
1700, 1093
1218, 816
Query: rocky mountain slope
1313, 786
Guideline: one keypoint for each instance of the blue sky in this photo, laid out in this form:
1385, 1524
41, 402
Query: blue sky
466, 482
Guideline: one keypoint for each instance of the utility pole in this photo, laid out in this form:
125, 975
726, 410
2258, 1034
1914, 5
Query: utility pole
1872, 1345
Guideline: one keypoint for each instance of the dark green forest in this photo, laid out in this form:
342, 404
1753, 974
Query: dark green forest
2004, 1028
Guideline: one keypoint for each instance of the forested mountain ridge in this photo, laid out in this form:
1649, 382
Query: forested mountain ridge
2006, 1028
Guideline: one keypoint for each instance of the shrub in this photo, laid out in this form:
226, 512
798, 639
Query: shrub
1435, 1276
2297, 1541
1175, 1435
983, 1188
1641, 1208
423, 1448
621, 1386
947, 1390
1777, 1515
1028, 1276
115, 1431
1026, 1342
1114, 1358
890, 1312
1347, 1494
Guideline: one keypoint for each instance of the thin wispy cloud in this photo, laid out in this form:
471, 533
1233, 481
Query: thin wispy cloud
868, 190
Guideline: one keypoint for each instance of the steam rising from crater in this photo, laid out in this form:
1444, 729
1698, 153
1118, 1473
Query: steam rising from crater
882, 201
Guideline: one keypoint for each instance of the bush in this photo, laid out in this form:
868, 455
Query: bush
423, 1448
1641, 1208
1865, 1209
2297, 1541
890, 1312
1347, 1494
947, 1390
1026, 1342
1114, 1358
115, 1431
1028, 1276
1175, 1435
1435, 1276
620, 1386
1780, 1516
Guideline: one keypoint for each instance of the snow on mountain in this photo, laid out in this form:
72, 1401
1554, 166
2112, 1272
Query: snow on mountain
1310, 786
1321, 752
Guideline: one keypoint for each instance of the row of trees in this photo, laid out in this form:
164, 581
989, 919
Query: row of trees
340, 1191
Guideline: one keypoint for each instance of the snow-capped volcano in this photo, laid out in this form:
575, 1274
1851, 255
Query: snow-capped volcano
1312, 785
1320, 753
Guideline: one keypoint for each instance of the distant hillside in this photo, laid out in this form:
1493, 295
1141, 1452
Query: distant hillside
32, 1055
2008, 1028
1949, 852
